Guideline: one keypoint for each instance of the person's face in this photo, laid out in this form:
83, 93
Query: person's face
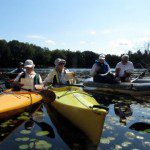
124, 61
101, 61
61, 66
29, 69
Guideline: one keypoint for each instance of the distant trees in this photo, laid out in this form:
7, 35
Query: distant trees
14, 51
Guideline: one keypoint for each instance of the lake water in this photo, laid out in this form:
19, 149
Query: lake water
127, 125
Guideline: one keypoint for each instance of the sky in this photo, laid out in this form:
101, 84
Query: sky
101, 26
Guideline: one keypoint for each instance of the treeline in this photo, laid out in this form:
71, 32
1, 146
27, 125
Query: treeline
14, 51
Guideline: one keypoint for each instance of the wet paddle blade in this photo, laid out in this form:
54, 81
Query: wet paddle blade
48, 96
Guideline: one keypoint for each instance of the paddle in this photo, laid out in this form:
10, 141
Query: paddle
140, 76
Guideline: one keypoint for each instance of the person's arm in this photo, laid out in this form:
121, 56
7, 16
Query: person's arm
40, 79
117, 70
18, 77
48, 79
13, 71
93, 70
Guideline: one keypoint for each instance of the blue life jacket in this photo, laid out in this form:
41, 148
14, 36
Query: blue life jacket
103, 67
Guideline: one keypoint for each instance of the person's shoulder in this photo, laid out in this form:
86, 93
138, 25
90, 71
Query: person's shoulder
129, 62
119, 63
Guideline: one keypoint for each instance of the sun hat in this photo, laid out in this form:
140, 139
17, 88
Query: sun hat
29, 63
102, 56
58, 61
21, 64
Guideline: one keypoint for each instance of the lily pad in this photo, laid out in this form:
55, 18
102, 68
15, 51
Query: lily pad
126, 144
42, 145
130, 135
105, 140
23, 118
25, 132
118, 147
42, 133
25, 146
32, 140
31, 145
140, 137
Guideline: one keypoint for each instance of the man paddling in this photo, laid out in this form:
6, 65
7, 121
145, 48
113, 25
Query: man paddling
101, 71
124, 69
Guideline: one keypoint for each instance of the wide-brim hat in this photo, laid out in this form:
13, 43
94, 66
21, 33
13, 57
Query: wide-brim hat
59, 60
29, 63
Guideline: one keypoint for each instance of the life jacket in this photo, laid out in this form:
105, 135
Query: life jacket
56, 79
103, 67
36, 79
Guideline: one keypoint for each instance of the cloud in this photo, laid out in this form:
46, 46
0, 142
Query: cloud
38, 37
83, 42
50, 42
93, 32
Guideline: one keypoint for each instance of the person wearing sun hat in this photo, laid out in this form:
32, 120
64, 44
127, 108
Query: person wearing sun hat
29, 73
60, 75
101, 71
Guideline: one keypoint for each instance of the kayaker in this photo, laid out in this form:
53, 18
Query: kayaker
101, 71
29, 77
19, 69
124, 69
60, 75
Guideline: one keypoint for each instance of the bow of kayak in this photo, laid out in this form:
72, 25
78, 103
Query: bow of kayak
15, 102
81, 109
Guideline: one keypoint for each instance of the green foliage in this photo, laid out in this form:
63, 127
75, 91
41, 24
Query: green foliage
12, 52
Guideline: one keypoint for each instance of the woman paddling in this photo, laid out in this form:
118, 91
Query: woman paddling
60, 75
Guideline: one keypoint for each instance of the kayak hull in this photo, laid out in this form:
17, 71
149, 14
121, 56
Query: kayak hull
74, 105
136, 89
13, 103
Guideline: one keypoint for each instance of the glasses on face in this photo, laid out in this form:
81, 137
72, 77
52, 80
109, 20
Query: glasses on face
60, 64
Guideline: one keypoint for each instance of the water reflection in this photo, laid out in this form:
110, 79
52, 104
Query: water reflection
123, 110
8, 126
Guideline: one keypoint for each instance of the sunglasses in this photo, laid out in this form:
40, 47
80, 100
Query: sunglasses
61, 64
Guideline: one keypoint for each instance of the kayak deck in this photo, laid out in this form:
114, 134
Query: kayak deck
12, 102
77, 106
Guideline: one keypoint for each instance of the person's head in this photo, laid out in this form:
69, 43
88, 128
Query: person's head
59, 64
20, 65
29, 65
125, 58
101, 58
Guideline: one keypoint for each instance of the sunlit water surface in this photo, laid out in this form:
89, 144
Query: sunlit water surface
49, 130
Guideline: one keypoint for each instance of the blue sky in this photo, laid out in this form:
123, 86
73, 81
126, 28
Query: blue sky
102, 26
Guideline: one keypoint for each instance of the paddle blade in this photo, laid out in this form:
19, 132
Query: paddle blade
48, 96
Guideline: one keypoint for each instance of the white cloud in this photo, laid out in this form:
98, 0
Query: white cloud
38, 37
93, 32
83, 42
50, 42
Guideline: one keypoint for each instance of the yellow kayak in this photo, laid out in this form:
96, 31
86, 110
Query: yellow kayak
15, 102
81, 109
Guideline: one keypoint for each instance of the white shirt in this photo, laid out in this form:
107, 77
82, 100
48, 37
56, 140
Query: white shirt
127, 66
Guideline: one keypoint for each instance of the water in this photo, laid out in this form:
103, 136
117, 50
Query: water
49, 130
